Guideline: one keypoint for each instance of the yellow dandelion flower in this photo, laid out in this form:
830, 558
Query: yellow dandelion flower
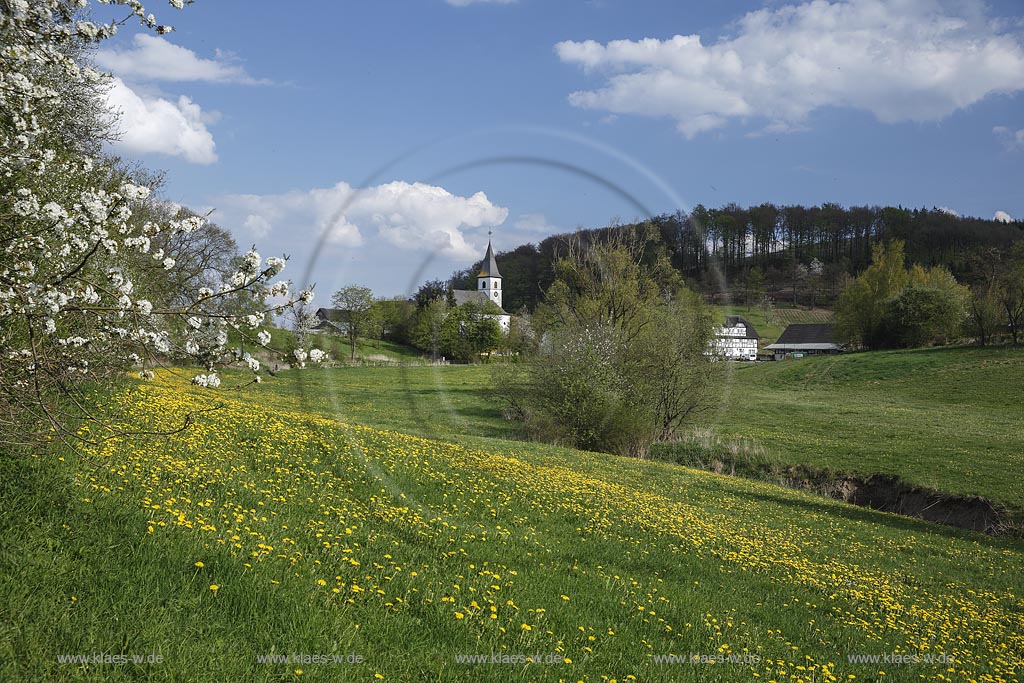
214, 587
200, 565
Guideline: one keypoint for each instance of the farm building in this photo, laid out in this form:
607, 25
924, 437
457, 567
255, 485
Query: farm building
332, 320
805, 340
736, 340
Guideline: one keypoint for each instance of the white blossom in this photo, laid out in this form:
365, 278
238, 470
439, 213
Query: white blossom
71, 240
210, 380
135, 192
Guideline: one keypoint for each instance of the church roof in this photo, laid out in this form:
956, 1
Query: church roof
489, 268
465, 296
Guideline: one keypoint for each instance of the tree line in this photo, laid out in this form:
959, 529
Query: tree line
797, 254
891, 305
430, 322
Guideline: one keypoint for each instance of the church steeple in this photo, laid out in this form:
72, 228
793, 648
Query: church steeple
489, 268
489, 279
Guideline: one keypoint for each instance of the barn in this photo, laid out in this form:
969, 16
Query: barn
805, 339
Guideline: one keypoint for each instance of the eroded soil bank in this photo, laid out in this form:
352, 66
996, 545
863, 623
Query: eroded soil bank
884, 492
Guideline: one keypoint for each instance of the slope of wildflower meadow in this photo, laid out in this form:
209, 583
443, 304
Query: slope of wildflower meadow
277, 531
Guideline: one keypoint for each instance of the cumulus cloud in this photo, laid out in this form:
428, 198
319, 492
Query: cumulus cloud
413, 216
1002, 217
154, 58
158, 125
1011, 139
946, 209
901, 60
534, 223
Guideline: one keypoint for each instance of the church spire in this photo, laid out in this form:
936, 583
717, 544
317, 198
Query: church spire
489, 268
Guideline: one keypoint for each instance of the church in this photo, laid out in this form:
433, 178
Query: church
488, 289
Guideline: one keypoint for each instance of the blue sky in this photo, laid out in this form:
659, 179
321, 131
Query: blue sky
529, 117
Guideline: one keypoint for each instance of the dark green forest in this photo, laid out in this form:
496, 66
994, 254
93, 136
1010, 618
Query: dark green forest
795, 254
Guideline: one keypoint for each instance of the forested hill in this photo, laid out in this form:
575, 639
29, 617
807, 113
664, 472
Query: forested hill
716, 249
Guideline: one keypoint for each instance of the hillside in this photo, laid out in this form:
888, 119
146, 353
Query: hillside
368, 351
272, 528
943, 418
716, 249
948, 419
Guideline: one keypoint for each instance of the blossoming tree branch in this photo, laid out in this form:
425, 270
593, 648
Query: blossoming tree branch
97, 277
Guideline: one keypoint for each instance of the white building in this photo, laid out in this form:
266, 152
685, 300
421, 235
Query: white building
736, 340
488, 290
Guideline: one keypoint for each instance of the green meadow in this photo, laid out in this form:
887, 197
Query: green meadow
391, 518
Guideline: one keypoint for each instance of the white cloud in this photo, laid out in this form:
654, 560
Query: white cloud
534, 223
946, 209
257, 226
1011, 139
157, 125
412, 216
157, 59
901, 60
466, 3
1002, 217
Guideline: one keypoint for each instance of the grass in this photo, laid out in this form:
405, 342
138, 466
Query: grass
948, 419
368, 351
439, 402
329, 528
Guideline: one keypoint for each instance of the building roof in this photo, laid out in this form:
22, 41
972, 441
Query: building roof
489, 268
803, 347
331, 319
807, 337
334, 315
737, 321
466, 296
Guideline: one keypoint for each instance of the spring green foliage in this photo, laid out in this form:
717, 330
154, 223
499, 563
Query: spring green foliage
468, 332
361, 314
621, 361
889, 306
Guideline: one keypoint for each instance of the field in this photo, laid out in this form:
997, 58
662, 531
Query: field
368, 351
384, 514
949, 419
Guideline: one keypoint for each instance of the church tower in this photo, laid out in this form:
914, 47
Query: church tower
489, 279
